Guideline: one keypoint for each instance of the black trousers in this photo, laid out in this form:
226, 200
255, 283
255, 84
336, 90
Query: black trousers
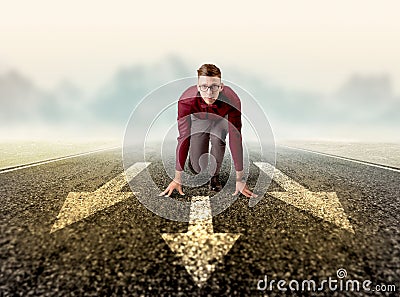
204, 132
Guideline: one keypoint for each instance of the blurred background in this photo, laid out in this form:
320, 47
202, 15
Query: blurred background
72, 71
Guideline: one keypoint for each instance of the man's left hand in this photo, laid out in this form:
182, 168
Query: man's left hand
242, 188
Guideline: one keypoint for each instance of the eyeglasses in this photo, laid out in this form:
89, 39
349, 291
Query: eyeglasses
213, 88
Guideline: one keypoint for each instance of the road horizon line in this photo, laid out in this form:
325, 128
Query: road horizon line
46, 161
381, 166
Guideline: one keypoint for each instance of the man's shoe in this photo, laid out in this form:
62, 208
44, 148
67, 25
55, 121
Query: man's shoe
215, 185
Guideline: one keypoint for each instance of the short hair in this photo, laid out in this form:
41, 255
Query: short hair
209, 70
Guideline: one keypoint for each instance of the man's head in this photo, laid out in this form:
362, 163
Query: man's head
209, 82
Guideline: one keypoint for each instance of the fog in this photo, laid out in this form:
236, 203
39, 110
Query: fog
363, 108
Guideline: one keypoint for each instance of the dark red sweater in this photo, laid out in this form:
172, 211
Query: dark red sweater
228, 103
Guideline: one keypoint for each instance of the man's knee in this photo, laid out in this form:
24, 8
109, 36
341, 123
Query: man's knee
198, 164
194, 167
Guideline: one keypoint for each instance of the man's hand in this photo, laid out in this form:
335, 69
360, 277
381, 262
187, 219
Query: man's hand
171, 187
174, 185
242, 188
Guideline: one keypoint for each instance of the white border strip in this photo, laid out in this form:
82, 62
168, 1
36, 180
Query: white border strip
343, 158
23, 166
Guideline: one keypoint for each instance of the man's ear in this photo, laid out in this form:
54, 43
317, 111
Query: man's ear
222, 86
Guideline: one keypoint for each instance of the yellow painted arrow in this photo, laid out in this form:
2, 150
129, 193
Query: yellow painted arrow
200, 248
325, 205
80, 205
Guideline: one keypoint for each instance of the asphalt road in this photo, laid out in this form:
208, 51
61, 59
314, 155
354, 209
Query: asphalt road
120, 250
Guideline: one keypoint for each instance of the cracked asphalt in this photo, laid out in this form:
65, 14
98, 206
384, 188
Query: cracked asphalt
119, 250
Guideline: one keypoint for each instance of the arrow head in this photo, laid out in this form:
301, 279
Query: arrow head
200, 254
80, 205
325, 205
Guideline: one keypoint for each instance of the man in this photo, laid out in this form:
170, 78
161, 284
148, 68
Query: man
206, 113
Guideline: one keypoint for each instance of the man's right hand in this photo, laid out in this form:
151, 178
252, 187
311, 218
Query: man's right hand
171, 187
174, 185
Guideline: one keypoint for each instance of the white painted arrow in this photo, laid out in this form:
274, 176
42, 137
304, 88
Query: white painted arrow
324, 205
200, 248
80, 205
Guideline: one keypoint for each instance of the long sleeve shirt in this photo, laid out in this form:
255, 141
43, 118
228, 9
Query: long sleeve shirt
227, 104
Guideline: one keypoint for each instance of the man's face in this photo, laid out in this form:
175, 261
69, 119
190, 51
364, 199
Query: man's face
209, 88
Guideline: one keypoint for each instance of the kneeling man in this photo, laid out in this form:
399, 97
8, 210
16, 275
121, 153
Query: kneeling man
207, 112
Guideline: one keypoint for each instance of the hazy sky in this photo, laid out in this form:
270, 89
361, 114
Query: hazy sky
314, 45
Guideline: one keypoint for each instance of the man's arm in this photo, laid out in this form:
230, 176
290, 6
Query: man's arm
235, 128
235, 141
182, 148
184, 125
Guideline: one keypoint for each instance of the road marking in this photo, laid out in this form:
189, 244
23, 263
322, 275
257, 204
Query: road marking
200, 248
346, 159
23, 166
80, 205
324, 205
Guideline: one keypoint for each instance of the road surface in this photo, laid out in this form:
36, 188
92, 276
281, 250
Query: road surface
118, 247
